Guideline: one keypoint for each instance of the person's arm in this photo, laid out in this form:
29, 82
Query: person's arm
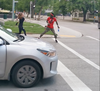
16, 23
57, 24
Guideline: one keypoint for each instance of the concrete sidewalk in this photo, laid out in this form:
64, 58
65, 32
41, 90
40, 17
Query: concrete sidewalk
4, 20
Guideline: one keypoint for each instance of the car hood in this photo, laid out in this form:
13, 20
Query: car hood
36, 43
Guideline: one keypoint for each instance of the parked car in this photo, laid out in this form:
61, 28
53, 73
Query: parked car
27, 60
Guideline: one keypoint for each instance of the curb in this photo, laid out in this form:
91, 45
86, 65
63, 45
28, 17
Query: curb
44, 36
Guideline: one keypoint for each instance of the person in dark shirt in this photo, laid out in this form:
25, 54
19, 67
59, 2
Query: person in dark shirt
21, 20
50, 22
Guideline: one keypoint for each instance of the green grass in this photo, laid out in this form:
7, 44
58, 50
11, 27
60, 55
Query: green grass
31, 28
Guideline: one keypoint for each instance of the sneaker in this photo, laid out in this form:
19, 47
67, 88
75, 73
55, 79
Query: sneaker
56, 41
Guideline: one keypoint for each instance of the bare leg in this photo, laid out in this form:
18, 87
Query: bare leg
55, 35
46, 30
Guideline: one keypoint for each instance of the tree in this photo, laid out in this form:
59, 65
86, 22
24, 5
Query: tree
98, 12
25, 6
63, 7
40, 4
71, 6
85, 6
6, 4
56, 8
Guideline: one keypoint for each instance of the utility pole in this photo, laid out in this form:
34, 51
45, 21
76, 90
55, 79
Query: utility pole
99, 16
13, 9
32, 7
94, 10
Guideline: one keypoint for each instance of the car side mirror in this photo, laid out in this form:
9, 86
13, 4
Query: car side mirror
1, 42
9, 30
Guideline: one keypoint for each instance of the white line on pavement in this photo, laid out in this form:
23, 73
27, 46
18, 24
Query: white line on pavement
79, 55
72, 80
93, 38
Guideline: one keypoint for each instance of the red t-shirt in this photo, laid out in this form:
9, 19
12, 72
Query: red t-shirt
51, 22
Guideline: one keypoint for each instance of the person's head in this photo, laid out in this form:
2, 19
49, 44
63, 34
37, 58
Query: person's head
51, 15
20, 15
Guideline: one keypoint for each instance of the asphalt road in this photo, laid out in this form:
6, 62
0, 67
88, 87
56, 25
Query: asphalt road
78, 67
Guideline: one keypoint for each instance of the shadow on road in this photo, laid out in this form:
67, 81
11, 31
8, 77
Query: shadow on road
44, 82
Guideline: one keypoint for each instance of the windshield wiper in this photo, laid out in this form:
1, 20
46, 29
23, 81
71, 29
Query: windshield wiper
20, 38
15, 40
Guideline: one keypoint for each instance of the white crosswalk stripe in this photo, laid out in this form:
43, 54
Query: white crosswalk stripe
79, 55
73, 81
93, 38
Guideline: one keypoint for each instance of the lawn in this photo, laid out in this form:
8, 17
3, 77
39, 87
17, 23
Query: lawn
31, 28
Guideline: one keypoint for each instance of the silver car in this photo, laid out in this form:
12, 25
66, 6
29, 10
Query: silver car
25, 61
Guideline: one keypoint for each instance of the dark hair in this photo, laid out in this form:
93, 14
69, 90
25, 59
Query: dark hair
52, 15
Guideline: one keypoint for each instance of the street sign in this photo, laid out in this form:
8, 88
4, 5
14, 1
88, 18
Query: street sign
16, 1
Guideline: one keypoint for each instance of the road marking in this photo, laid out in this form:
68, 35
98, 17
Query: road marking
79, 55
73, 81
93, 38
67, 36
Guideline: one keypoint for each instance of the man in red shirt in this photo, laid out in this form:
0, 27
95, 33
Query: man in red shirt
50, 22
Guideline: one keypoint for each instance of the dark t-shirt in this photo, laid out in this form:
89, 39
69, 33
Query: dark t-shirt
21, 22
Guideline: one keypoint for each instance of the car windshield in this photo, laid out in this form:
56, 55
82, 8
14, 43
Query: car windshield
7, 35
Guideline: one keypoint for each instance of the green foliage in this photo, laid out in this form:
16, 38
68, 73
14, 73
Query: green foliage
48, 14
56, 8
23, 5
29, 27
83, 5
99, 13
41, 3
6, 4
99, 9
63, 7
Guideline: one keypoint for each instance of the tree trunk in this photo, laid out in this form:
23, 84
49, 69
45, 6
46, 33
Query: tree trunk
84, 16
40, 12
99, 16
72, 16
99, 20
